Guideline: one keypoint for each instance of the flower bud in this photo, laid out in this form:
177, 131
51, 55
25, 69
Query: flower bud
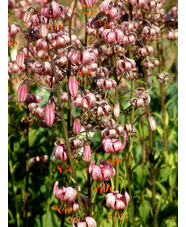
22, 92
73, 86
116, 110
152, 123
77, 126
49, 115
43, 30
20, 58
87, 152
26, 16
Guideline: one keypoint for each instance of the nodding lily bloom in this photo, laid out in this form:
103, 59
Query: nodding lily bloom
117, 201
106, 84
74, 206
66, 194
172, 35
102, 172
53, 11
114, 145
130, 130
113, 35
102, 72
61, 152
151, 33
145, 51
88, 222
151, 63
129, 26
39, 159
89, 3
125, 65
129, 38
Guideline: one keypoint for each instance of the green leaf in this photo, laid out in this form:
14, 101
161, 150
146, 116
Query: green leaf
158, 115
166, 118
172, 178
160, 130
144, 211
161, 187
169, 102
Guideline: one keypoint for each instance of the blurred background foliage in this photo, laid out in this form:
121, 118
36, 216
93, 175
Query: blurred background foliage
41, 201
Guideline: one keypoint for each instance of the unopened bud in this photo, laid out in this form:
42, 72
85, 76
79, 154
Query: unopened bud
49, 115
20, 58
44, 30
22, 92
73, 86
87, 153
77, 126
116, 110
152, 123
26, 16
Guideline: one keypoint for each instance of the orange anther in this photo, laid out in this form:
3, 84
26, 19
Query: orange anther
60, 26
96, 189
113, 218
120, 160
83, 13
110, 216
50, 27
101, 190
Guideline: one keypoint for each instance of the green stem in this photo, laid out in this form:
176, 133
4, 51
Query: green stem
14, 189
151, 159
65, 131
26, 146
129, 161
116, 186
49, 190
89, 192
11, 114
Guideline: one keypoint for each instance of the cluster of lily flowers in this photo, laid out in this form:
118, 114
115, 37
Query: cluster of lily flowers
112, 32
